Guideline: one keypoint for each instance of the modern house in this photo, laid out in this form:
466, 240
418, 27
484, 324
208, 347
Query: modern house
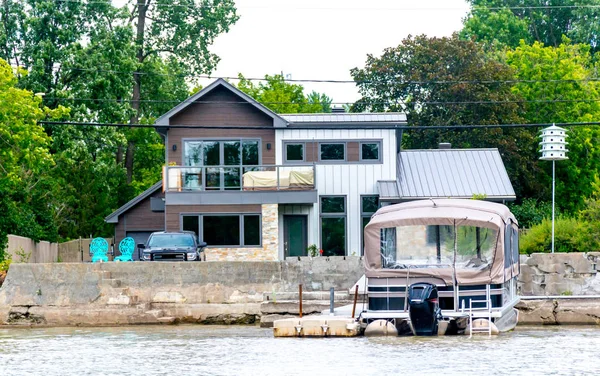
256, 185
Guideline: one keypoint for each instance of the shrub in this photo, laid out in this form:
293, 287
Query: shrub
531, 212
570, 235
4, 264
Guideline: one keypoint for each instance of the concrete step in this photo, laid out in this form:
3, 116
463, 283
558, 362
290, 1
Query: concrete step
306, 296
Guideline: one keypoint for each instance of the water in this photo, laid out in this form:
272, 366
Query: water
217, 350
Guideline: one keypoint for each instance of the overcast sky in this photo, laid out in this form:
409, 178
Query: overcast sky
324, 39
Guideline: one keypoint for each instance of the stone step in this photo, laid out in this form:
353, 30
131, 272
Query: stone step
306, 296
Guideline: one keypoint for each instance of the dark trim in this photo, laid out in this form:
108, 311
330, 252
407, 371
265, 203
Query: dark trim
334, 215
241, 197
332, 161
284, 148
316, 143
114, 217
379, 152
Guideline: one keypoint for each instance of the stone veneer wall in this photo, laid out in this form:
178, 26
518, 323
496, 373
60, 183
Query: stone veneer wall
544, 274
270, 242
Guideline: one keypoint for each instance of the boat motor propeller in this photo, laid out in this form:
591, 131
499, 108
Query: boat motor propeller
424, 309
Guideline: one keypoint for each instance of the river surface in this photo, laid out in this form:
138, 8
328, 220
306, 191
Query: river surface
239, 350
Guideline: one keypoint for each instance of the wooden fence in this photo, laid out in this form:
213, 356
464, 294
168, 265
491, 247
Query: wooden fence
23, 249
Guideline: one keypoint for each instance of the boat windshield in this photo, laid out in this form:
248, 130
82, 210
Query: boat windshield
432, 246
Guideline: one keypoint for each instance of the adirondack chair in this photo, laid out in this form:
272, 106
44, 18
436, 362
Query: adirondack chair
99, 249
126, 247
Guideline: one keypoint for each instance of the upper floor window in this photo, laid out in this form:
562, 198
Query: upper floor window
370, 151
294, 152
332, 151
222, 153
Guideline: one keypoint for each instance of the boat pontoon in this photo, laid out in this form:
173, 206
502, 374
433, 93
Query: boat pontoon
441, 266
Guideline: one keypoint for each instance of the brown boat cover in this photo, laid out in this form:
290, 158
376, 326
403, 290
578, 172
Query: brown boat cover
442, 212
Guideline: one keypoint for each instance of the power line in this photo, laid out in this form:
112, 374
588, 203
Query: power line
332, 81
490, 102
343, 126
361, 9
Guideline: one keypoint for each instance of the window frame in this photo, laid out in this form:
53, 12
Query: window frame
241, 228
343, 215
220, 141
364, 214
379, 151
333, 161
285, 154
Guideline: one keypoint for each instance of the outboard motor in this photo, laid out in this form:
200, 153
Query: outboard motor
424, 309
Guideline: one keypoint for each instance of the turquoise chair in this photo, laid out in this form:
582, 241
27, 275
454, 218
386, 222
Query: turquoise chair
99, 250
126, 247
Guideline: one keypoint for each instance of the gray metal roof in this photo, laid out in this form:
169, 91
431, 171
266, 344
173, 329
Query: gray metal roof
453, 173
114, 217
382, 117
388, 190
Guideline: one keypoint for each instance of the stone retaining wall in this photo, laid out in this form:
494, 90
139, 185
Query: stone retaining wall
153, 292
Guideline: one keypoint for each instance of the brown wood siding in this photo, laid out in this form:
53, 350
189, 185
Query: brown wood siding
140, 218
352, 149
173, 212
227, 109
312, 152
176, 135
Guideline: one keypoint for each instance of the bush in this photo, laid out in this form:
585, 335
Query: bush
570, 235
4, 264
531, 212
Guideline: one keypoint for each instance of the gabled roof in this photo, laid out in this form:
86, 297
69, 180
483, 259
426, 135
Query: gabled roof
448, 173
164, 119
114, 217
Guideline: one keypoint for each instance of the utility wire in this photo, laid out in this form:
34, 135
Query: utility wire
332, 126
329, 81
175, 5
516, 101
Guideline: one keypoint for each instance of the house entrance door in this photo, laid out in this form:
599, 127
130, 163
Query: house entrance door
294, 235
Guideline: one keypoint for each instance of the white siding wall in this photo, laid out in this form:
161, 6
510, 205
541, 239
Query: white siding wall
351, 180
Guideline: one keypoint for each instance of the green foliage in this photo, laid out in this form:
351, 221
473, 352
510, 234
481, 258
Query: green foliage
478, 196
531, 212
312, 250
570, 235
506, 22
427, 77
24, 256
26, 200
283, 97
578, 101
5, 264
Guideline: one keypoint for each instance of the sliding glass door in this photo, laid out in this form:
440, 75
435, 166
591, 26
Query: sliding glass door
224, 161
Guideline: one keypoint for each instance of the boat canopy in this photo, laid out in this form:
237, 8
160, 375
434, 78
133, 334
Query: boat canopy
472, 241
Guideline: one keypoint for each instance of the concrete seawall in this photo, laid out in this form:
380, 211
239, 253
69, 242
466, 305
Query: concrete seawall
150, 293
246, 292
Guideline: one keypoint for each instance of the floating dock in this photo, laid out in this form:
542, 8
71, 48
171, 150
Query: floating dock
316, 326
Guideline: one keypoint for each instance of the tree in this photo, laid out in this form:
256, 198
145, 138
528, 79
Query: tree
283, 97
449, 81
506, 22
561, 86
26, 202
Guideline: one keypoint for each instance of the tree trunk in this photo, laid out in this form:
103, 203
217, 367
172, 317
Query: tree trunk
135, 100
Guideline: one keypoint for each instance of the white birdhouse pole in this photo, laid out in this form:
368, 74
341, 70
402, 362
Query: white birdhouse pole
554, 148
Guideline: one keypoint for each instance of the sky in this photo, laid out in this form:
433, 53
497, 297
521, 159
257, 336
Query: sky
312, 39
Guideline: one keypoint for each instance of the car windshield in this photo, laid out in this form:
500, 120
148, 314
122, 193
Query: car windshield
171, 240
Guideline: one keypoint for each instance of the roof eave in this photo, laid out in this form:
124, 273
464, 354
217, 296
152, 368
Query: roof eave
114, 216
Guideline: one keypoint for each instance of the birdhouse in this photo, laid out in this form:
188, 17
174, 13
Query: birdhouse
554, 146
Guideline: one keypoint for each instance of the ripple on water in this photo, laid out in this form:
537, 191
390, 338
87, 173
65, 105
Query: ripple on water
217, 350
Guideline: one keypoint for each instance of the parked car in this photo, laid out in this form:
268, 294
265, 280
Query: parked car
171, 246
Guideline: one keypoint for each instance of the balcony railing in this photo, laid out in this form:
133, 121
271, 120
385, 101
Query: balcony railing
238, 178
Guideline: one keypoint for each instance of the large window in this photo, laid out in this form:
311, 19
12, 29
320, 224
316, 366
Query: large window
368, 207
370, 151
225, 230
412, 246
333, 225
332, 152
294, 152
221, 155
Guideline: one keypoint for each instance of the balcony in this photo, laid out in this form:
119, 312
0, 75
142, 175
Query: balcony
239, 184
